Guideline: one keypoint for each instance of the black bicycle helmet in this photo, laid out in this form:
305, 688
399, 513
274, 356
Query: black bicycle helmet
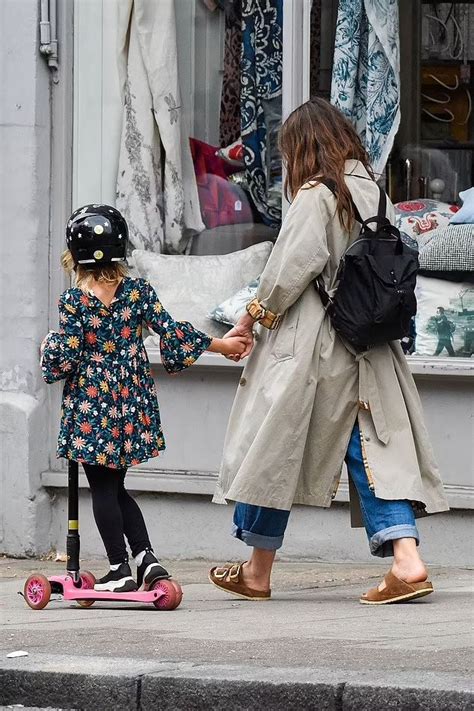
97, 234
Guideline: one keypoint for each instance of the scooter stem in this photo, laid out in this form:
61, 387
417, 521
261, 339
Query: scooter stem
72, 541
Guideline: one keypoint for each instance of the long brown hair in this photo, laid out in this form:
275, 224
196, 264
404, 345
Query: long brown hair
315, 141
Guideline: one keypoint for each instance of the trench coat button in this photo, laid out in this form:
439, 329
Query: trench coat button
243, 381
367, 439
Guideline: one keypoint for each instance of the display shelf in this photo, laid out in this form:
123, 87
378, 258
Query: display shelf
419, 365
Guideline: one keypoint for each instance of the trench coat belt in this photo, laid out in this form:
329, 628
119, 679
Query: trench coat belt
369, 396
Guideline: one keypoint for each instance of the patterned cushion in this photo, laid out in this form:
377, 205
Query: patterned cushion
447, 249
233, 154
445, 318
466, 213
232, 309
417, 216
190, 286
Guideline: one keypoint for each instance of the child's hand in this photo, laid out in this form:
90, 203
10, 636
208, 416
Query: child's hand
232, 347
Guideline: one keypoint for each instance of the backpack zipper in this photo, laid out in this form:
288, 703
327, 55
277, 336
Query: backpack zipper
367, 239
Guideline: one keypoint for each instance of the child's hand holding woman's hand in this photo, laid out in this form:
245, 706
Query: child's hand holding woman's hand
233, 347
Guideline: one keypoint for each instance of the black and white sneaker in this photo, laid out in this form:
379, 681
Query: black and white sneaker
149, 570
118, 580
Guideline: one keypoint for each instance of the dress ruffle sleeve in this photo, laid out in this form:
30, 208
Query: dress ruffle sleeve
180, 343
62, 351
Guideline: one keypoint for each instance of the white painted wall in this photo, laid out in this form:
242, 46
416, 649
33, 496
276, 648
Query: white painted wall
191, 527
24, 276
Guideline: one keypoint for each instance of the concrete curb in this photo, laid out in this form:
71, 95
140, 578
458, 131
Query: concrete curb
95, 682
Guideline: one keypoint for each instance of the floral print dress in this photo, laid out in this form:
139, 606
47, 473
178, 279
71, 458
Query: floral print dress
110, 414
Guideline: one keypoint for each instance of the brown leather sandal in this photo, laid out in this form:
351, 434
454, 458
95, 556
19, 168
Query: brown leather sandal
229, 578
396, 590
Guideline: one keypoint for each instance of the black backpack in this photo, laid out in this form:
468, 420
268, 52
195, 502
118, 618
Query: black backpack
375, 298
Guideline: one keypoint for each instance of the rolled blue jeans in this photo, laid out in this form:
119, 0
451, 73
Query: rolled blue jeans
384, 520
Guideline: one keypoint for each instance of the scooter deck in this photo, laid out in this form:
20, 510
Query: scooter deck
70, 592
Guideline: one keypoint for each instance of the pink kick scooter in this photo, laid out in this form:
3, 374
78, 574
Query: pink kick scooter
78, 585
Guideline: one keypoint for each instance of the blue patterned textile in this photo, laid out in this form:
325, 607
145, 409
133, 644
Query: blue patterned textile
261, 87
366, 73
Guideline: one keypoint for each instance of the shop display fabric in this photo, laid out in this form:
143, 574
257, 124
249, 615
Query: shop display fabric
229, 126
315, 48
366, 73
260, 99
156, 185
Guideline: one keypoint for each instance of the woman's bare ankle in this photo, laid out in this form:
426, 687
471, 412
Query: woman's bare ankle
411, 571
407, 564
255, 579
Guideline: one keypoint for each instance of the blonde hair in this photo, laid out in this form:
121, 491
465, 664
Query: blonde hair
85, 276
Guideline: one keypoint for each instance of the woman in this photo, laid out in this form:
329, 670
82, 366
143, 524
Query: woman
307, 401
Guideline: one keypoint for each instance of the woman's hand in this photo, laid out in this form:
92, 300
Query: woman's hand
243, 328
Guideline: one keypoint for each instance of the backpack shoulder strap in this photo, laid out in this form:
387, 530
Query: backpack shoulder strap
382, 209
331, 185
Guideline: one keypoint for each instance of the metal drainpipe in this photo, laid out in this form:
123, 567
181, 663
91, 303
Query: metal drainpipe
48, 35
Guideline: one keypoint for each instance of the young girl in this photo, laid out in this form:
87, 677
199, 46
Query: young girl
110, 418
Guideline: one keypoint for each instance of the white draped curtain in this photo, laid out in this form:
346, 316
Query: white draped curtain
156, 184
366, 73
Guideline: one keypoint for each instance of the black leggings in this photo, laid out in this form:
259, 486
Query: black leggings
116, 513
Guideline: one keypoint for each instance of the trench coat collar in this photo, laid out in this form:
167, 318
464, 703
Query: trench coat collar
355, 167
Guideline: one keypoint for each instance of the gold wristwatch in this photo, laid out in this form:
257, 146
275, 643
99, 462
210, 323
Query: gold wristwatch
262, 315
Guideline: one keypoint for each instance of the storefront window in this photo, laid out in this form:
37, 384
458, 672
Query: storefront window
432, 164
192, 158
432, 160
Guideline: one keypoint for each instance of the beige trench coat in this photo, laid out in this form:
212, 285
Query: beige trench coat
302, 390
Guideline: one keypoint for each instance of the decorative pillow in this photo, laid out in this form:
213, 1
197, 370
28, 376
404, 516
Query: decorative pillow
222, 202
207, 161
417, 216
447, 249
233, 154
232, 309
190, 286
410, 241
445, 318
466, 213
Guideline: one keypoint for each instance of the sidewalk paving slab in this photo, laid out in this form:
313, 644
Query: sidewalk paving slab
312, 646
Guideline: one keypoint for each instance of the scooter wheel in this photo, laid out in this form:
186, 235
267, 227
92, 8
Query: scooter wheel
169, 598
37, 591
88, 582
178, 589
